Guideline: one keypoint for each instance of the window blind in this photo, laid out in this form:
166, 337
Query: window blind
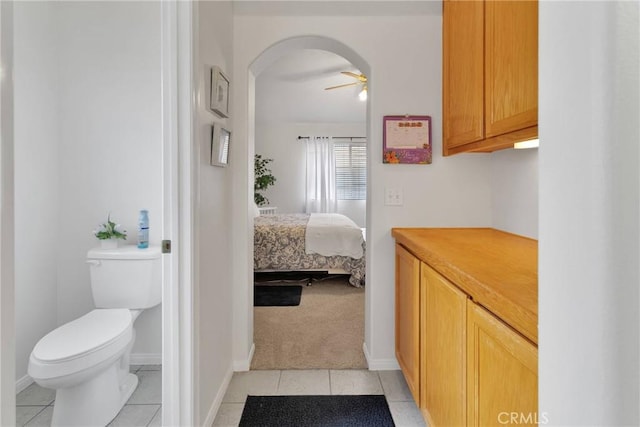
351, 170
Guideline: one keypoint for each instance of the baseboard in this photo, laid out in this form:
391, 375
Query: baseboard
23, 383
379, 364
244, 365
145, 359
215, 406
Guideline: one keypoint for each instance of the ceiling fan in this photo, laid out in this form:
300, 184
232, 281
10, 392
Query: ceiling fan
361, 80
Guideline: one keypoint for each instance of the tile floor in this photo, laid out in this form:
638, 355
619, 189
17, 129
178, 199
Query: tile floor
34, 405
319, 382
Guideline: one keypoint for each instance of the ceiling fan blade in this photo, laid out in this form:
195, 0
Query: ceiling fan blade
360, 77
344, 85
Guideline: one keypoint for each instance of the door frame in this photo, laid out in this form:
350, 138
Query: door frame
177, 129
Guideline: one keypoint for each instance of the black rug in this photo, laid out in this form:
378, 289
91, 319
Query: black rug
264, 296
320, 411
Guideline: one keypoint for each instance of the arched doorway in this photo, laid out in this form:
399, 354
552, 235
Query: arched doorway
243, 231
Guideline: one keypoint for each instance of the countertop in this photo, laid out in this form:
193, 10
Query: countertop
498, 270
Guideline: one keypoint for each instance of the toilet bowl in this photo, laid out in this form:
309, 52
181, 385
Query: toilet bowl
87, 360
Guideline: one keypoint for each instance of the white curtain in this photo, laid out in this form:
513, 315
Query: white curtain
321, 176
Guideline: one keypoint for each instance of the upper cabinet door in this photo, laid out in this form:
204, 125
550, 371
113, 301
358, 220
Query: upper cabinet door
463, 72
489, 74
511, 67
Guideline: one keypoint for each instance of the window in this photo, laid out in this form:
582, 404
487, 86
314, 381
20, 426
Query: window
351, 170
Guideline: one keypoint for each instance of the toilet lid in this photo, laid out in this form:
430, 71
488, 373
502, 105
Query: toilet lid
86, 334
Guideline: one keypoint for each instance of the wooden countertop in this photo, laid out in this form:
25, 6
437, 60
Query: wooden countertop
497, 269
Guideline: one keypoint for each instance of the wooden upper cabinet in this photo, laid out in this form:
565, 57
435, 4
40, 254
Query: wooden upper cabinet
408, 318
463, 72
511, 77
490, 74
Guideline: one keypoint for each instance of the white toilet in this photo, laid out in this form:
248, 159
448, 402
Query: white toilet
87, 360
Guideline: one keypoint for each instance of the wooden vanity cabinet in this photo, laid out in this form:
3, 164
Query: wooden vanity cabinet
490, 74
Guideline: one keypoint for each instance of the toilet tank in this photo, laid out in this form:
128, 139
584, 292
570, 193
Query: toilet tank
126, 277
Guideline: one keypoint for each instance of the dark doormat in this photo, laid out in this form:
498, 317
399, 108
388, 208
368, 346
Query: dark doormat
320, 411
264, 296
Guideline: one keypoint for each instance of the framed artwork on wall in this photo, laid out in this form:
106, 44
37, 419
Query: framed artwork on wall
406, 139
219, 92
220, 140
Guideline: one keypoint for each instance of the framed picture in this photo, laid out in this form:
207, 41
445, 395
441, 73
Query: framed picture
220, 139
219, 92
406, 139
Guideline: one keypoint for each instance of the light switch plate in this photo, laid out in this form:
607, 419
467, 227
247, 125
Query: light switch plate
393, 196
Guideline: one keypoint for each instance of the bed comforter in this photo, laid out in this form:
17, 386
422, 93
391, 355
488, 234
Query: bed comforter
279, 244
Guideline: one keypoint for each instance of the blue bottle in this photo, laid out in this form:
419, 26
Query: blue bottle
143, 229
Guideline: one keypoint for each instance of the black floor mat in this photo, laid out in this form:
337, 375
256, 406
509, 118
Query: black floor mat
317, 411
264, 296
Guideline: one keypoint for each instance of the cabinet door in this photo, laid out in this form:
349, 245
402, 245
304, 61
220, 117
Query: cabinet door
511, 68
443, 350
462, 73
502, 372
408, 318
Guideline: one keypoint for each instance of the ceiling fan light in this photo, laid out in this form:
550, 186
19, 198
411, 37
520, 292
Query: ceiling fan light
363, 94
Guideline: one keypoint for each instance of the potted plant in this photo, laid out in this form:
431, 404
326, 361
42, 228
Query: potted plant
109, 233
263, 179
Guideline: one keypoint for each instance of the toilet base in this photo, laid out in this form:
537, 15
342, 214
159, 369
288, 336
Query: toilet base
95, 402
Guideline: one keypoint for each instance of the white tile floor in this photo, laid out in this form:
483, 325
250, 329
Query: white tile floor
322, 382
34, 405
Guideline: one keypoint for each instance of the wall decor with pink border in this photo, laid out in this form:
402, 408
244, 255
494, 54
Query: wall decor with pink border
406, 139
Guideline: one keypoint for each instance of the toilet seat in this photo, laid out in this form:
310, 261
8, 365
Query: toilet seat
82, 343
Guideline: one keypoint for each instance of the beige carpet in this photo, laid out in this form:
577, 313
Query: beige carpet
325, 331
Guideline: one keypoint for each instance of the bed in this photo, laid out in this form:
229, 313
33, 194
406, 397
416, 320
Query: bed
300, 242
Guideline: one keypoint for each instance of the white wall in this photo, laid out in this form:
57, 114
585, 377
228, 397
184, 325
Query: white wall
279, 141
110, 145
88, 138
514, 191
7, 294
36, 178
589, 213
213, 296
455, 191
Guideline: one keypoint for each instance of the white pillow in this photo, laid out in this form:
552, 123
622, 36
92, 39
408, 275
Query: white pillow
256, 211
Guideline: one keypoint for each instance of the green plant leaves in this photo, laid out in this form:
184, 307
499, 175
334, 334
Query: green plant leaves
110, 230
263, 179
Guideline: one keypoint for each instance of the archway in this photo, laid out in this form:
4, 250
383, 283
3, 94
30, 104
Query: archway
243, 232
